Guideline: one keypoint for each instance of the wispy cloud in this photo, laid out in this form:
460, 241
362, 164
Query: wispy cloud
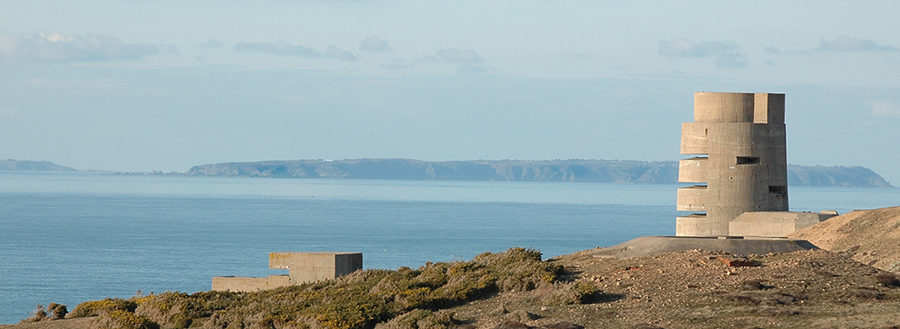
454, 55
212, 43
59, 47
885, 109
465, 58
847, 43
170, 49
469, 68
374, 44
279, 47
687, 48
338, 53
733, 60
396, 64
727, 53
282, 48
772, 50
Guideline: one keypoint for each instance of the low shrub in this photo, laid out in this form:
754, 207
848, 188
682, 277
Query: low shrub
57, 311
570, 293
39, 315
120, 319
359, 300
97, 307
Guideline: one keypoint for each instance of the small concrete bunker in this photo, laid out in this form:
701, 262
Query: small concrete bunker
303, 267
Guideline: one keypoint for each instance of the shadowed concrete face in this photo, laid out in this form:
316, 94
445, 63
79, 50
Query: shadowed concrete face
742, 136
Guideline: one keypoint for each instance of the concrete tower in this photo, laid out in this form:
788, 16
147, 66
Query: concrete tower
740, 140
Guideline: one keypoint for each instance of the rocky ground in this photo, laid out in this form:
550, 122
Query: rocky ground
696, 289
707, 289
869, 236
693, 289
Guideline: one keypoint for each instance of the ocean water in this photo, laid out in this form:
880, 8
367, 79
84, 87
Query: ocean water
73, 237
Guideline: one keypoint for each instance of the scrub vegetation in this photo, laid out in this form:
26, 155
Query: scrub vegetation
402, 298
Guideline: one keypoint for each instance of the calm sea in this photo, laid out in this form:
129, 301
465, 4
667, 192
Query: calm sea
72, 237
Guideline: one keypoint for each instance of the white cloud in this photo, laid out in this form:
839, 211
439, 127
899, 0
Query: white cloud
282, 48
732, 60
727, 53
847, 43
454, 55
885, 109
374, 44
687, 48
59, 47
338, 53
279, 47
212, 43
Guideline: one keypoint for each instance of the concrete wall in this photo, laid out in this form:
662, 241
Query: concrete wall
774, 223
247, 284
315, 266
303, 267
692, 198
742, 136
693, 170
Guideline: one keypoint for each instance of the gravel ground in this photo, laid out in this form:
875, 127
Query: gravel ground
869, 236
696, 289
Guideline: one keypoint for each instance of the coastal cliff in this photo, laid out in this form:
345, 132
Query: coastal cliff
592, 171
18, 165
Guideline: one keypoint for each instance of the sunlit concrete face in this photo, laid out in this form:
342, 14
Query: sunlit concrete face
303, 267
739, 140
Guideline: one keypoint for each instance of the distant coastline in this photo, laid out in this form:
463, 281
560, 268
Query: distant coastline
24, 165
574, 170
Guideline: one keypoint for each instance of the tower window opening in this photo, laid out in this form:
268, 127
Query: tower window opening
747, 160
777, 190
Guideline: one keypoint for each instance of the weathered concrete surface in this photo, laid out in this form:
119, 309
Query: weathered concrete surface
315, 266
248, 284
745, 168
652, 245
774, 223
303, 267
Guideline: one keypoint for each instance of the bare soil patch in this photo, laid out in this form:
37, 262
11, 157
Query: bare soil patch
869, 236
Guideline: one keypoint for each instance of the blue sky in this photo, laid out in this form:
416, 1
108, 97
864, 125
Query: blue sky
164, 85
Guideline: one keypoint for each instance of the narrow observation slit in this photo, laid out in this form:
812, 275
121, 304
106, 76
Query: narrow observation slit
777, 190
747, 160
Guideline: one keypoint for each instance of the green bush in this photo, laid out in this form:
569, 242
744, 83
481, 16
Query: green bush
97, 307
120, 319
359, 300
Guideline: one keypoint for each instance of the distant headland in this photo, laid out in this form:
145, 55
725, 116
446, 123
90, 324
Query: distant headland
18, 165
574, 170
